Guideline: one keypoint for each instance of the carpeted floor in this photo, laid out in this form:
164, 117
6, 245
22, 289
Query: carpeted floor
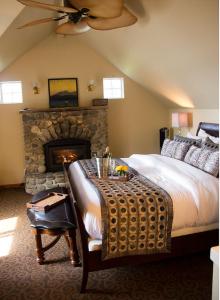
22, 278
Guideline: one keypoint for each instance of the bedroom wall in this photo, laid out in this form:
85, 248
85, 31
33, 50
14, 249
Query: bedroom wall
133, 122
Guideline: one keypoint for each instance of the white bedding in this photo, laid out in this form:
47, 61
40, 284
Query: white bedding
194, 192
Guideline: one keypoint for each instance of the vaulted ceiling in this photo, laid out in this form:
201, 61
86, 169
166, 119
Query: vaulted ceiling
14, 42
172, 50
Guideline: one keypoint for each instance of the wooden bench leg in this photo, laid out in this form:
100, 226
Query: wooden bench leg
84, 279
39, 248
70, 236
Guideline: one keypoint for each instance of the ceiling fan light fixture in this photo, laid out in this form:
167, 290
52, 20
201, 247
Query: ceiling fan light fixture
70, 28
76, 17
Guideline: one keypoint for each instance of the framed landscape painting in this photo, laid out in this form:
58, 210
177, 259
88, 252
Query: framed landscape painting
63, 92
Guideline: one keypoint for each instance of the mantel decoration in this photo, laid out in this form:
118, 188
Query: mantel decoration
99, 102
63, 92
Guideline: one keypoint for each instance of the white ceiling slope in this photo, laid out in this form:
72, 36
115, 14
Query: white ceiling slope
9, 9
172, 50
15, 42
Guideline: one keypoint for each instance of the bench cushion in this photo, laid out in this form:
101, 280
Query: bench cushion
58, 217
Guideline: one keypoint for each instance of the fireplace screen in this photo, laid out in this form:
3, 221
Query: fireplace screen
65, 150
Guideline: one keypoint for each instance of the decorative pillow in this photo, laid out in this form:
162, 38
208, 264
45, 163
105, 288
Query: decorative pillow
174, 149
204, 159
203, 135
192, 155
214, 139
209, 144
190, 141
212, 164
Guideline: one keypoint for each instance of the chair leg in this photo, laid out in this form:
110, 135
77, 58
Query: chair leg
70, 235
39, 248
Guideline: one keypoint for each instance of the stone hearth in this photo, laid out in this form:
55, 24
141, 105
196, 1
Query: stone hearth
43, 126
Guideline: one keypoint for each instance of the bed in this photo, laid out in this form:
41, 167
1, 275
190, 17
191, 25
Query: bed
195, 204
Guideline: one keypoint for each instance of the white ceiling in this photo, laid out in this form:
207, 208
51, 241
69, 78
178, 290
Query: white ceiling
15, 42
172, 50
9, 9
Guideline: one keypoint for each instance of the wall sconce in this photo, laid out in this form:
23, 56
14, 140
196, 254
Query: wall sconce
36, 88
91, 85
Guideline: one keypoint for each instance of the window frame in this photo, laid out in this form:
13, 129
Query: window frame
121, 80
20, 92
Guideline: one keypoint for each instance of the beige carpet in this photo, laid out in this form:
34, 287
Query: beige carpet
22, 278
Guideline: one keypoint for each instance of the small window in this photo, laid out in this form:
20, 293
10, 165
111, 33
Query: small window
113, 88
10, 92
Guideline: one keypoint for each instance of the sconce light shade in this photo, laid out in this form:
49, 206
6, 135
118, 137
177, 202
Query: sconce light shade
91, 85
180, 119
36, 88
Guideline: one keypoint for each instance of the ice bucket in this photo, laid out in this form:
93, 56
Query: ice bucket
102, 167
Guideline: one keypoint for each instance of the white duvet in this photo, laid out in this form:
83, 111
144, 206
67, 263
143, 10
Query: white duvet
194, 192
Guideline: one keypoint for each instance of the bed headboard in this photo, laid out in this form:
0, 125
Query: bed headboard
210, 128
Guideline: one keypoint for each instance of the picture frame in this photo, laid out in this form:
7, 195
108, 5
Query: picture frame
63, 92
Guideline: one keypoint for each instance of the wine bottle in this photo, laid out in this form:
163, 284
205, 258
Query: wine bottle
106, 154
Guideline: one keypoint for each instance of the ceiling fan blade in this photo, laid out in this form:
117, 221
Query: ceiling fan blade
126, 19
100, 8
70, 28
36, 4
36, 22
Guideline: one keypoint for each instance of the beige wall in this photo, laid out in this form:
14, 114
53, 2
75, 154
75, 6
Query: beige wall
133, 122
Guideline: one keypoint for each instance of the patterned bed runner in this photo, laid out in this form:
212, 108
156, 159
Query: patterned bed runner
137, 214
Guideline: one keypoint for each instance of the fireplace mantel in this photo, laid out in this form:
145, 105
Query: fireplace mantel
45, 125
29, 110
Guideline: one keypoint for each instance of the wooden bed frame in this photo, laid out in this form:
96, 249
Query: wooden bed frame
91, 260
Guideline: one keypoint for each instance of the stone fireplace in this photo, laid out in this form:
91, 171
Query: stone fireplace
52, 135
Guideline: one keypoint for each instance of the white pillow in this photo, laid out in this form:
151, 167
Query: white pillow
202, 134
214, 139
195, 137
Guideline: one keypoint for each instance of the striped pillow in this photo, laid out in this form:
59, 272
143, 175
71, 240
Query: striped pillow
204, 159
188, 140
174, 149
209, 144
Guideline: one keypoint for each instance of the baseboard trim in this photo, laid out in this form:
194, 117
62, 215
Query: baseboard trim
12, 186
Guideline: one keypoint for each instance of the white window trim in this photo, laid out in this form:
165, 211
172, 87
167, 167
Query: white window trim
1, 92
121, 79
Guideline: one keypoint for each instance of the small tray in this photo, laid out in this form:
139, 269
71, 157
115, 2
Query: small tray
115, 178
47, 202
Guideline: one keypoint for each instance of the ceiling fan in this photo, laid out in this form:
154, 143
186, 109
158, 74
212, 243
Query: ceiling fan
83, 15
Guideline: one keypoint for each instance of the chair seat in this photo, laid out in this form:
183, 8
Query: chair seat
58, 217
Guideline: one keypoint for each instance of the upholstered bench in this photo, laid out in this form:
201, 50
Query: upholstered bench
57, 221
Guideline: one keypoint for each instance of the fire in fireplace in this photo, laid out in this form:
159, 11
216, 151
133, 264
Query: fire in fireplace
65, 150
